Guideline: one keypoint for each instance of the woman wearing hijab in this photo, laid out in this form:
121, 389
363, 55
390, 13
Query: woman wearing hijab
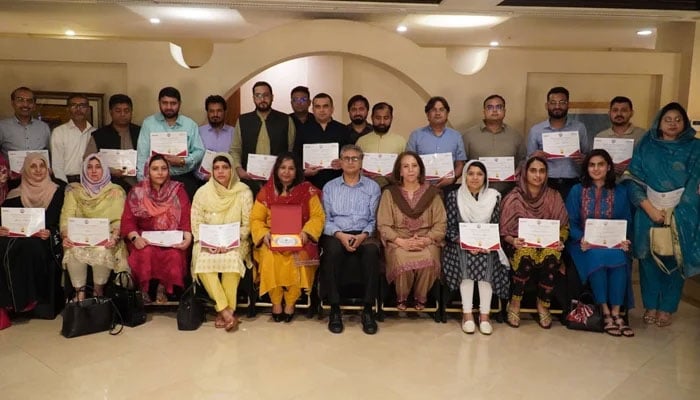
284, 274
157, 203
222, 200
30, 270
411, 221
474, 202
532, 198
94, 197
666, 160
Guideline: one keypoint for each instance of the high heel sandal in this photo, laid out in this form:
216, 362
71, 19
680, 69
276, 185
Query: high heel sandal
288, 317
513, 319
161, 296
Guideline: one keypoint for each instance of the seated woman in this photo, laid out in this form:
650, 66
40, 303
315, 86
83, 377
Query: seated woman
608, 270
157, 203
411, 221
222, 200
94, 197
284, 274
30, 267
4, 177
474, 202
532, 198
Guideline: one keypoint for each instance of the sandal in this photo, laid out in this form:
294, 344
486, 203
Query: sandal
419, 306
610, 327
663, 319
649, 317
219, 322
161, 297
230, 319
146, 298
513, 319
401, 306
623, 328
545, 319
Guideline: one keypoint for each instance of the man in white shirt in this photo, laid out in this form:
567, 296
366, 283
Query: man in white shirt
69, 141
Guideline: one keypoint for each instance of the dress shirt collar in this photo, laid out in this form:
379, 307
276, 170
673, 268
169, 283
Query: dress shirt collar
482, 126
567, 124
72, 125
359, 183
161, 118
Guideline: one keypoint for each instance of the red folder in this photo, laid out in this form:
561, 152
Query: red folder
285, 232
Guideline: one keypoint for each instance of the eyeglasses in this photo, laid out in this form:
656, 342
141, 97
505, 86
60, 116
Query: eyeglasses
497, 107
300, 99
435, 109
262, 95
79, 105
554, 103
28, 100
351, 159
669, 120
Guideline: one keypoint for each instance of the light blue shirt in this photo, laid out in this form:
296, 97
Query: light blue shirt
157, 123
218, 141
350, 208
15, 136
425, 141
559, 167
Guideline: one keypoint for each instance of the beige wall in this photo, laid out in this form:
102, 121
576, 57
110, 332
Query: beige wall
380, 64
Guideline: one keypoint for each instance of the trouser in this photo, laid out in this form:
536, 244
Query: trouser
290, 294
609, 285
335, 259
78, 273
545, 274
223, 291
660, 291
466, 290
421, 280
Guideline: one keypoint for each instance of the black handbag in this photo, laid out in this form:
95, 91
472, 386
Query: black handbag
92, 315
585, 316
190, 312
128, 299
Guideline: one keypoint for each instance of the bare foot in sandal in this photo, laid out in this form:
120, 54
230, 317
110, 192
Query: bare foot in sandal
610, 327
649, 317
513, 311
624, 329
663, 319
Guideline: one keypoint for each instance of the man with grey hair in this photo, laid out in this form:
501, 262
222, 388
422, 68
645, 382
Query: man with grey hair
350, 248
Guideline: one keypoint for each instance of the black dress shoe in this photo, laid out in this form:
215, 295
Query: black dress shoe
277, 317
287, 317
369, 325
335, 322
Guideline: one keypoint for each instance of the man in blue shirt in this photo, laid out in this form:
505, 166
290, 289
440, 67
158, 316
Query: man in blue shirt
350, 248
216, 135
564, 172
170, 120
437, 137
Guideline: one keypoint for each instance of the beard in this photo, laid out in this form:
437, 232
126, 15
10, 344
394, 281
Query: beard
262, 107
619, 122
557, 114
358, 120
170, 113
382, 128
215, 122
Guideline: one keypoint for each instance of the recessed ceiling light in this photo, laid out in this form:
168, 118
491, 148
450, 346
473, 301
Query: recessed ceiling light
401, 28
70, 32
645, 32
155, 21
459, 21
494, 43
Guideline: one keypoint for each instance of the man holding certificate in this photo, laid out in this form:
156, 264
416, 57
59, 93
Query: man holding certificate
437, 139
350, 249
264, 131
534, 226
381, 142
175, 137
562, 141
216, 135
596, 206
621, 127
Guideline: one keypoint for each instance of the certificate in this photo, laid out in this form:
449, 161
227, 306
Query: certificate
499, 169
320, 154
542, 233
378, 164
474, 236
619, 149
666, 199
207, 162
260, 166
17, 158
225, 235
286, 225
22, 222
605, 233
88, 231
169, 143
438, 165
560, 144
124, 160
163, 238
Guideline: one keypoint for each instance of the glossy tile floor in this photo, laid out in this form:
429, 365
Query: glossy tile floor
411, 357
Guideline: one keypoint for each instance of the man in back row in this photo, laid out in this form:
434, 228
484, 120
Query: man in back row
69, 141
358, 107
621, 127
216, 135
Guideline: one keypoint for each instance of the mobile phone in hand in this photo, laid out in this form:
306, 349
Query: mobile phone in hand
351, 242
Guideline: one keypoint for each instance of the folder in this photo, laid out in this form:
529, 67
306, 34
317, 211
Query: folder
285, 232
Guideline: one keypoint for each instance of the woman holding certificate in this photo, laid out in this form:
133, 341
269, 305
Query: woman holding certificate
474, 202
411, 221
157, 206
607, 268
285, 273
532, 199
94, 197
30, 250
663, 184
223, 200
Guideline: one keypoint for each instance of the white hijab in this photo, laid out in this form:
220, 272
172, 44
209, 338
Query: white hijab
475, 211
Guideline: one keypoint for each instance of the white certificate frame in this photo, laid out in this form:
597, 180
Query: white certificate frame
121, 159
90, 232
320, 154
378, 164
169, 143
605, 233
23, 222
163, 238
436, 165
260, 166
499, 169
561, 144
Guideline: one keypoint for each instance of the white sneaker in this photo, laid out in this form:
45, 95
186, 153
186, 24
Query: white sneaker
468, 327
485, 328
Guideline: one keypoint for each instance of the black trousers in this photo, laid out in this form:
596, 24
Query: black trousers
338, 267
562, 185
190, 181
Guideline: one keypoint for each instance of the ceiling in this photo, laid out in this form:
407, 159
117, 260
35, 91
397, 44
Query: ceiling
537, 25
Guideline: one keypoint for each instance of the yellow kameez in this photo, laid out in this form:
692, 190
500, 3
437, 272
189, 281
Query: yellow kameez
280, 269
